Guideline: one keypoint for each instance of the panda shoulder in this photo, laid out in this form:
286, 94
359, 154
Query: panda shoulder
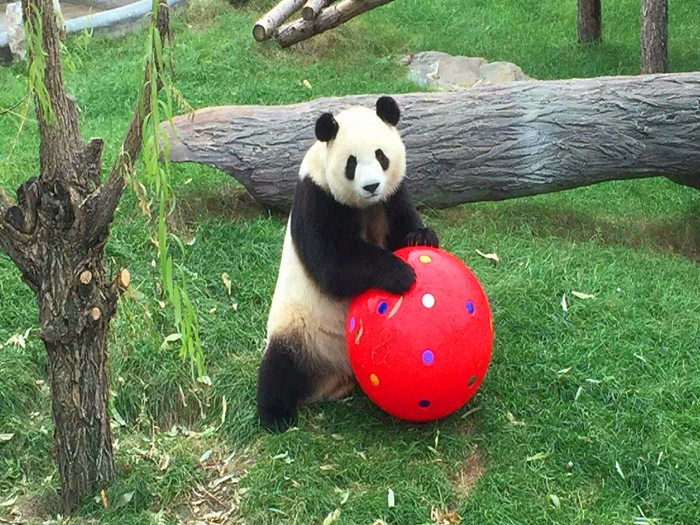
313, 165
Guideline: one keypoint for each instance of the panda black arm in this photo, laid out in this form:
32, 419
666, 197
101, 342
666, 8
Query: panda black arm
325, 234
406, 227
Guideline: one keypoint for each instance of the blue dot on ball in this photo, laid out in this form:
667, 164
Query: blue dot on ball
428, 357
424, 403
470, 307
382, 308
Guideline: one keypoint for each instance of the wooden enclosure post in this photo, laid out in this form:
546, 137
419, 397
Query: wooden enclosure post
589, 21
654, 36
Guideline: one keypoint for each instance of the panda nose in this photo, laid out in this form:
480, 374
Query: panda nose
369, 188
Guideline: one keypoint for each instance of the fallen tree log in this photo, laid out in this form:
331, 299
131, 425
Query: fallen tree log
275, 17
489, 143
329, 18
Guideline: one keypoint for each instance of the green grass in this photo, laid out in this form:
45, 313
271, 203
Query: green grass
615, 380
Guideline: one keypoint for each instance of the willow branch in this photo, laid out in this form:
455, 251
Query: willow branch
106, 198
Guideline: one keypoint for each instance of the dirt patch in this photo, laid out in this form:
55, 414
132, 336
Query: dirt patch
217, 501
468, 473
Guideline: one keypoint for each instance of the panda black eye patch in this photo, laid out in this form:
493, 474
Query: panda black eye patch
350, 167
383, 159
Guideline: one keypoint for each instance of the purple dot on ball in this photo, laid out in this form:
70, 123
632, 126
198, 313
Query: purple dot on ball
383, 307
428, 357
470, 307
352, 324
424, 403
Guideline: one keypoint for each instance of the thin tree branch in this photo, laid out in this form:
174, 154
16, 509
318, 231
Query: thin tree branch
105, 199
58, 132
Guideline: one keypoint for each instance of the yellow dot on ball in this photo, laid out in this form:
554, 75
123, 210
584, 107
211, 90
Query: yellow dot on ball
425, 259
374, 380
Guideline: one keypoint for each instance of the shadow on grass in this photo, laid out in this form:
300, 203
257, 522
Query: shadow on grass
679, 235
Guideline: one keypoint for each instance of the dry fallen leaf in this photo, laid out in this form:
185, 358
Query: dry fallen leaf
564, 306
9, 502
514, 421
555, 501
306, 83
491, 256
227, 282
332, 517
6, 437
578, 393
537, 457
204, 457
444, 518
205, 380
224, 407
619, 470
564, 371
103, 497
582, 295
391, 500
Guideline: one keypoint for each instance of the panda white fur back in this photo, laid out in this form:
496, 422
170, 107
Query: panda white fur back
350, 211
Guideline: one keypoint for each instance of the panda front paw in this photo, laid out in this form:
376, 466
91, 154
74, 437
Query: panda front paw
398, 279
423, 237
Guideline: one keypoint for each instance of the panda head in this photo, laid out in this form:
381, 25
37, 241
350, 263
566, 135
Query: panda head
365, 158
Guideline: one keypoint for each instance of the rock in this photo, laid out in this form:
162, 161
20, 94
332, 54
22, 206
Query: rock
444, 72
498, 72
15, 30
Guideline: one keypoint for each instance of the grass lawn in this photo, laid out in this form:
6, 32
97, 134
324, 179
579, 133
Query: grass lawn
587, 416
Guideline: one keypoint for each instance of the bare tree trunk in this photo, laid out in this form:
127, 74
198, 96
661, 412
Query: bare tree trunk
590, 26
489, 143
329, 18
55, 234
654, 36
270, 21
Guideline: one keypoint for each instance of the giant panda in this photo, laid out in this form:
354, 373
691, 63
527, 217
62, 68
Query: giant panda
351, 209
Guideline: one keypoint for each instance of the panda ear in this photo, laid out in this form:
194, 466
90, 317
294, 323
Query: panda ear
326, 127
388, 110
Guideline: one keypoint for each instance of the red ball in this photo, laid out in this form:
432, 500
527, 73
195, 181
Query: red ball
422, 355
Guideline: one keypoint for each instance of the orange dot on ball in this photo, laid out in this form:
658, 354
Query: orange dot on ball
374, 379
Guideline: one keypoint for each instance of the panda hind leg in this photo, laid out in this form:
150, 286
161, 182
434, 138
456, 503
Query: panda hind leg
284, 380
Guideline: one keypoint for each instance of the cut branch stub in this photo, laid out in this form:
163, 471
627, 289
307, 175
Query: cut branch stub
489, 143
124, 279
270, 21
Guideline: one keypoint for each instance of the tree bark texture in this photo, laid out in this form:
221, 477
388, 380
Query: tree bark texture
270, 21
329, 18
313, 7
654, 36
489, 143
590, 26
55, 233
